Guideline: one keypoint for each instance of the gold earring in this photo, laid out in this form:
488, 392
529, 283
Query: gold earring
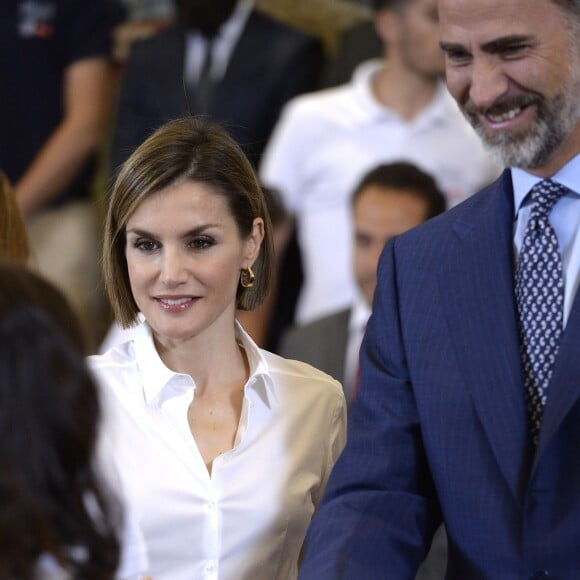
247, 277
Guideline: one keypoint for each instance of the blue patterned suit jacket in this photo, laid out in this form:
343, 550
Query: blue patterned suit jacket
440, 429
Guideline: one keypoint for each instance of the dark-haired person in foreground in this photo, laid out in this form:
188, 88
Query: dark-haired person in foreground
224, 448
469, 403
58, 519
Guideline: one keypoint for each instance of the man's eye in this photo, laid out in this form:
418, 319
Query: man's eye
457, 56
513, 49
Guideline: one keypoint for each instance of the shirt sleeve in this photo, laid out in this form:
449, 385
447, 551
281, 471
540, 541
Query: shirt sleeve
283, 161
336, 442
84, 30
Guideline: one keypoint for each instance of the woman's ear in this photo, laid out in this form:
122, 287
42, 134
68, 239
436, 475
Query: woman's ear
254, 241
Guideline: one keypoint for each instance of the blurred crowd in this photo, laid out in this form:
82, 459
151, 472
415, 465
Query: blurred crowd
316, 93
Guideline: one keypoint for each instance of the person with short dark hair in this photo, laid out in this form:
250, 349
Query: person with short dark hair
58, 519
390, 199
224, 448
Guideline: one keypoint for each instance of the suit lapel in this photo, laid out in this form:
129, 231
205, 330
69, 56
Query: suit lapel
477, 278
564, 389
251, 42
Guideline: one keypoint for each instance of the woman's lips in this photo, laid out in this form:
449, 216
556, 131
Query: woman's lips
175, 303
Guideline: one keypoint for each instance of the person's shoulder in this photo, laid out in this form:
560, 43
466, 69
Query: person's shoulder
318, 327
470, 211
116, 373
118, 356
323, 107
300, 375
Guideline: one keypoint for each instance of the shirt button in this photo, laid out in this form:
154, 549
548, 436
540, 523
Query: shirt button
211, 505
210, 567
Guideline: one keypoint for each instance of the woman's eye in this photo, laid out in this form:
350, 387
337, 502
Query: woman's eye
201, 243
146, 245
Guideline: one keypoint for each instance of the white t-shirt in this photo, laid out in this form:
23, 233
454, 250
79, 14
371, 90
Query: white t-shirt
325, 142
249, 518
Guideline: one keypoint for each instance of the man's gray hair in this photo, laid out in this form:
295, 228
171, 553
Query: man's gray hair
572, 7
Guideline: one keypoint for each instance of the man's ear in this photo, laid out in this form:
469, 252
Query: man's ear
387, 25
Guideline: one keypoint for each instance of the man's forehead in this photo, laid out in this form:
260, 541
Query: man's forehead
488, 20
467, 9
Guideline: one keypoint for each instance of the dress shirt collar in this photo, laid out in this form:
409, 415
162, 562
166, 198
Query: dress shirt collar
522, 182
161, 383
371, 111
359, 314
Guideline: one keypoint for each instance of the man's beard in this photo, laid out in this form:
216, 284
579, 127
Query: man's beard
533, 146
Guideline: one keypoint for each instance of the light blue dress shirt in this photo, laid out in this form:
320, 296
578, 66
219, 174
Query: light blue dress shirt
564, 217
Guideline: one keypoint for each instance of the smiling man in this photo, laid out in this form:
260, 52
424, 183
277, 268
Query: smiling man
469, 404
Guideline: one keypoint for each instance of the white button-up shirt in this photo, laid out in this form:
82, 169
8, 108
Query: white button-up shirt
249, 518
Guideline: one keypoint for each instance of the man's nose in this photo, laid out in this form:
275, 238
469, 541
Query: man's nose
488, 82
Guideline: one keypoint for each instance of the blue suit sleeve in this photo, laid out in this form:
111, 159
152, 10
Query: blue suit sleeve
379, 512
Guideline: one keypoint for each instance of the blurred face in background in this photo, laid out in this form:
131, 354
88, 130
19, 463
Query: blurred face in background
411, 32
380, 213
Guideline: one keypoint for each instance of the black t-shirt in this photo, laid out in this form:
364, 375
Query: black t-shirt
39, 40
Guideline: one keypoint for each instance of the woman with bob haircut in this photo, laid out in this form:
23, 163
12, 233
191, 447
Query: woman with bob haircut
224, 448
57, 519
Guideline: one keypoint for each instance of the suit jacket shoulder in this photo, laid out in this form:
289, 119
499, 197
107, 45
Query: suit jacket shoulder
321, 343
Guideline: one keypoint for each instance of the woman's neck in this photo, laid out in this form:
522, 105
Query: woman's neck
214, 362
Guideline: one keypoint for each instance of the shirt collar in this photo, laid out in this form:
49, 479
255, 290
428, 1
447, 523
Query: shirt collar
359, 314
160, 382
522, 181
